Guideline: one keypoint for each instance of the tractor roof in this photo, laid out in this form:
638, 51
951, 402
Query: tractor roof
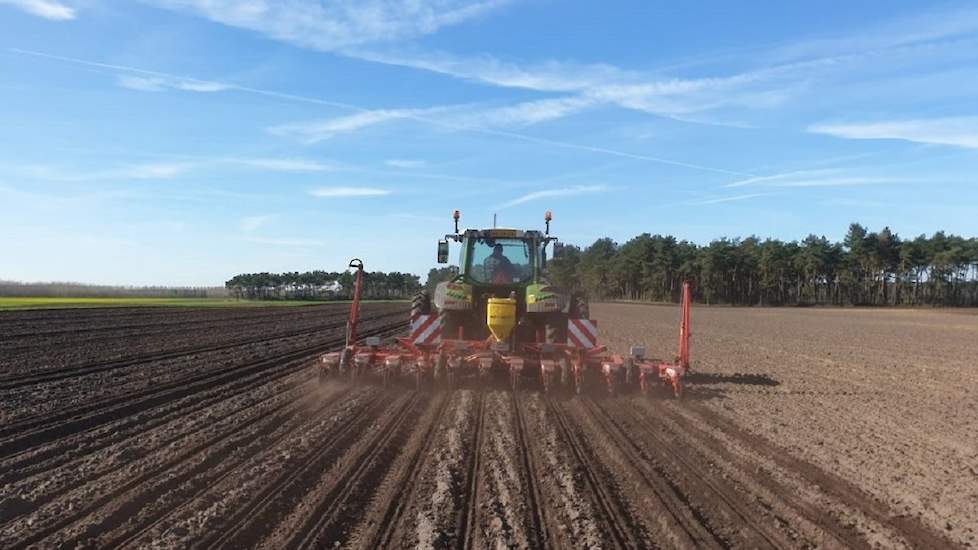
501, 233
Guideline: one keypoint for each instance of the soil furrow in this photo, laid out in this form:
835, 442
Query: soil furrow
540, 529
284, 492
917, 534
167, 500
616, 518
676, 523
84, 418
51, 375
712, 496
339, 492
471, 536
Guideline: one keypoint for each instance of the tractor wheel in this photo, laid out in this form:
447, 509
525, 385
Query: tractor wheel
420, 304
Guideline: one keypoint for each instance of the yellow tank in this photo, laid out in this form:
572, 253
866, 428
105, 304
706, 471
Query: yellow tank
501, 317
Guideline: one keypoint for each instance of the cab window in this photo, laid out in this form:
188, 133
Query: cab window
500, 261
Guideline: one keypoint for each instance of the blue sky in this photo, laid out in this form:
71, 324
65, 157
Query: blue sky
183, 141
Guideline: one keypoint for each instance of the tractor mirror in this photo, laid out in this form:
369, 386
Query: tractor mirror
443, 252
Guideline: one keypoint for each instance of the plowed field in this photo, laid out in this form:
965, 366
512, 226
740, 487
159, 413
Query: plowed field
204, 428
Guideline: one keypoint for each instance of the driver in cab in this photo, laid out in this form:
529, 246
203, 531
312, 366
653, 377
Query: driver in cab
498, 267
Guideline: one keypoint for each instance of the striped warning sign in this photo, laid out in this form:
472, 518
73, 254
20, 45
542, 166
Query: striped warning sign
426, 329
582, 333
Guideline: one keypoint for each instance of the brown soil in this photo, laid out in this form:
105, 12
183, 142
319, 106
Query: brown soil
801, 429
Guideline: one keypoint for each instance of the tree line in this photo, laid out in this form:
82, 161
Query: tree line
866, 268
322, 285
80, 290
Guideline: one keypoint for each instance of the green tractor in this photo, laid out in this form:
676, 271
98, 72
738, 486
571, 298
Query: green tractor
501, 270
499, 314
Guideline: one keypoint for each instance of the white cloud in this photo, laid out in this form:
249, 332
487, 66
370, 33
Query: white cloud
250, 224
596, 84
525, 113
829, 177
153, 171
956, 131
161, 170
47, 9
839, 182
551, 76
733, 198
556, 193
140, 83
344, 192
329, 25
368, 117
318, 130
405, 163
782, 176
283, 165
163, 83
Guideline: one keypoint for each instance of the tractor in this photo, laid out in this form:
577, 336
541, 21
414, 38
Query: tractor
499, 317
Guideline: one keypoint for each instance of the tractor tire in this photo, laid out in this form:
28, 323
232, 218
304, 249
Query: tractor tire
420, 304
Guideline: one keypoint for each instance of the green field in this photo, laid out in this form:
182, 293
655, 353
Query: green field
57, 303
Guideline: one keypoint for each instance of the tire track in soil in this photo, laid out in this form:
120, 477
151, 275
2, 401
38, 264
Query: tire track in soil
168, 499
469, 524
568, 515
501, 503
55, 426
338, 506
52, 375
75, 465
79, 447
246, 497
717, 503
820, 520
911, 529
140, 487
435, 517
541, 529
613, 515
349, 451
385, 509
180, 321
673, 521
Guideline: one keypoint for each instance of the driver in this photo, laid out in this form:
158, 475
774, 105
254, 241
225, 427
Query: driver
498, 266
